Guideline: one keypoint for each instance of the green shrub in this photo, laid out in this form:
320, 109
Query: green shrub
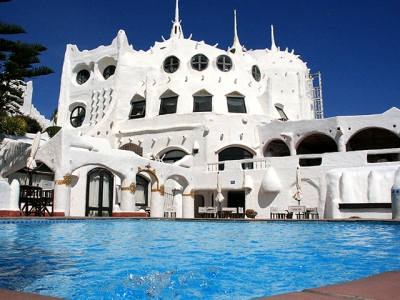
13, 126
33, 126
52, 130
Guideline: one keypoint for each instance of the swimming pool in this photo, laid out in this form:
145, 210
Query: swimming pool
166, 259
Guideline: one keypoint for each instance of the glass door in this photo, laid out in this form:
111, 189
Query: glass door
99, 193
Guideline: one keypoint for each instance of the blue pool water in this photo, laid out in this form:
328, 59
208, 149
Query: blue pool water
165, 259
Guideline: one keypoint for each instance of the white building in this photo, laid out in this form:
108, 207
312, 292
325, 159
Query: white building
153, 129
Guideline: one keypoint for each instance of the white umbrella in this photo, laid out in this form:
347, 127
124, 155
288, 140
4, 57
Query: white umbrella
31, 163
219, 197
298, 195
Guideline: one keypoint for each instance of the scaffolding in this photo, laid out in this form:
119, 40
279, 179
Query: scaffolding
316, 82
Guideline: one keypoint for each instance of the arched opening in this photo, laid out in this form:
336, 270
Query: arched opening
372, 139
235, 153
173, 156
317, 143
276, 148
99, 193
36, 177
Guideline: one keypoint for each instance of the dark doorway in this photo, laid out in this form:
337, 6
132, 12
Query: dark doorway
236, 199
99, 193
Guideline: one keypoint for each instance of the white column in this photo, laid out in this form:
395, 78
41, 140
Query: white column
128, 198
62, 194
188, 204
157, 205
396, 196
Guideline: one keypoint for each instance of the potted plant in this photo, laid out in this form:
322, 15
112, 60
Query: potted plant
251, 213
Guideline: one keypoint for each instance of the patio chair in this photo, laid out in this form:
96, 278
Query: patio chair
30, 200
240, 213
211, 212
312, 213
47, 202
275, 213
202, 211
298, 211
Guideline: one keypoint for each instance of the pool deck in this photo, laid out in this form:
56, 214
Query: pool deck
384, 286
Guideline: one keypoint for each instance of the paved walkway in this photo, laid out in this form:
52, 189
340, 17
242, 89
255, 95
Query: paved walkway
384, 286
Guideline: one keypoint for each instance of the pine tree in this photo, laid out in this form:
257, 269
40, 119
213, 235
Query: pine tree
17, 61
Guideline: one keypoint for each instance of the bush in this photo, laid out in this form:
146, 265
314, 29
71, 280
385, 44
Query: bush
52, 130
33, 126
13, 126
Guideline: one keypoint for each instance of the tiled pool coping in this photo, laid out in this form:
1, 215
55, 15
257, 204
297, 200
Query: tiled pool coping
83, 219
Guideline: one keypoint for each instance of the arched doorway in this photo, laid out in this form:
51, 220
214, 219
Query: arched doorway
142, 192
99, 193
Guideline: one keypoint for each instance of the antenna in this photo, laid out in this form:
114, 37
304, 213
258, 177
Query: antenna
273, 46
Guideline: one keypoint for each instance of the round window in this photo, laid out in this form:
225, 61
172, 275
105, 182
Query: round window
171, 64
256, 73
199, 62
224, 63
82, 76
77, 116
109, 71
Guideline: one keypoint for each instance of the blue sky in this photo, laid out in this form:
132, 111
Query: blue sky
354, 43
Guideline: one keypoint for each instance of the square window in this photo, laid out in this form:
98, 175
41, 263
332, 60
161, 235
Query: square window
202, 103
168, 105
138, 109
236, 105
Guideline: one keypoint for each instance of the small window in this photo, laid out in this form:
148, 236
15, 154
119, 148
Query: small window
382, 157
108, 72
168, 105
224, 63
236, 105
199, 62
202, 103
255, 71
77, 116
310, 162
138, 109
171, 64
82, 76
132, 147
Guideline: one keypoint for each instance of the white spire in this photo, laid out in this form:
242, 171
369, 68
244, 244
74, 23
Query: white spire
236, 44
176, 27
273, 46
